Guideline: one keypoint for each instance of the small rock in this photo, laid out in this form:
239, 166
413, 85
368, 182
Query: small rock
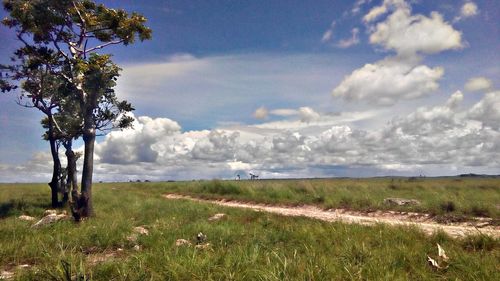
91, 250
49, 219
202, 246
22, 266
141, 230
401, 201
483, 224
138, 230
216, 217
182, 242
137, 248
132, 238
5, 275
49, 212
26, 218
100, 258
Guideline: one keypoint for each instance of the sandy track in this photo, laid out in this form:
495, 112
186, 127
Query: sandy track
422, 221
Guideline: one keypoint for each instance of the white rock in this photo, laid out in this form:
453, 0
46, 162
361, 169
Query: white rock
49, 219
182, 242
401, 201
49, 212
202, 246
5, 275
216, 217
141, 230
26, 218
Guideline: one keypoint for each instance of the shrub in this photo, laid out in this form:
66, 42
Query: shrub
219, 187
480, 211
448, 206
480, 243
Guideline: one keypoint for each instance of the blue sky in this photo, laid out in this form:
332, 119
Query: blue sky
293, 89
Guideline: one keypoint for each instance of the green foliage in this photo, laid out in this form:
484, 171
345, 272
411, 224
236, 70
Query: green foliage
48, 20
63, 76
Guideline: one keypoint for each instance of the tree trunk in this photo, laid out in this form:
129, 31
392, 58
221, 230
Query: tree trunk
77, 204
56, 169
71, 175
64, 190
89, 132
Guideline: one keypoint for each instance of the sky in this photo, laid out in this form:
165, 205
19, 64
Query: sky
288, 89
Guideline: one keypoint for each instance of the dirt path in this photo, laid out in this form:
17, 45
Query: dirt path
423, 221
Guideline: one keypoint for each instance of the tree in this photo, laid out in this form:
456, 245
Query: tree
42, 90
76, 30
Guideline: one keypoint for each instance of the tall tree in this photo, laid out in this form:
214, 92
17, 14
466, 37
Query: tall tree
42, 90
76, 30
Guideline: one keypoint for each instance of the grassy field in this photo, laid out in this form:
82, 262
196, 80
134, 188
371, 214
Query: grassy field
438, 196
245, 245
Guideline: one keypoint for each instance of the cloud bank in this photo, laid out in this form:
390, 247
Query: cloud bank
448, 138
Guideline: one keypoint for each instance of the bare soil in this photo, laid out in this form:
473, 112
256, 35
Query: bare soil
426, 222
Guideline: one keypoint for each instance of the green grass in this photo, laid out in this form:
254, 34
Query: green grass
438, 196
246, 245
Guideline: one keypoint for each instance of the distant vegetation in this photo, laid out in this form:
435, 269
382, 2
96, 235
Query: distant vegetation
245, 245
453, 198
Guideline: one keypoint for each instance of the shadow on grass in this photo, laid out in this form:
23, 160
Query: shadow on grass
16, 207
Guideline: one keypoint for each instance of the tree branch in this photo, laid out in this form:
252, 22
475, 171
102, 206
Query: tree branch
27, 105
104, 45
20, 37
57, 126
79, 14
57, 45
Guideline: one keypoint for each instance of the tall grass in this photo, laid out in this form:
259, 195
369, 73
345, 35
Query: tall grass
246, 245
438, 196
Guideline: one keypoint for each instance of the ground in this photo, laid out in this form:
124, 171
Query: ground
244, 244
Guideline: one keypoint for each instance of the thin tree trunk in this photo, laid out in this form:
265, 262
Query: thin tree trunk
71, 175
89, 132
56, 169
63, 183
77, 201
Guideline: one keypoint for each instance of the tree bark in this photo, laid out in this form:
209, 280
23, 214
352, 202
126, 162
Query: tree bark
89, 132
64, 190
71, 175
56, 169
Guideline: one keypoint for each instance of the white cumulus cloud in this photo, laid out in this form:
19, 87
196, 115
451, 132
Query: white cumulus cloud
261, 113
353, 40
487, 110
307, 114
443, 139
478, 84
409, 34
469, 9
400, 77
378, 11
136, 145
389, 80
